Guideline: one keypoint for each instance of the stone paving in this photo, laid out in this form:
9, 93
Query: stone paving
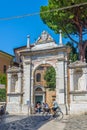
12, 122
36, 122
78, 122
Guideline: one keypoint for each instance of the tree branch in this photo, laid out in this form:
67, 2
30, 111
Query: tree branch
69, 35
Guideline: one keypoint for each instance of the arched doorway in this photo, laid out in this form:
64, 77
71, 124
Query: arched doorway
43, 90
39, 95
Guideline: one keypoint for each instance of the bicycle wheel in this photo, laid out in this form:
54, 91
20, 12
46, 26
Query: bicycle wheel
46, 115
59, 115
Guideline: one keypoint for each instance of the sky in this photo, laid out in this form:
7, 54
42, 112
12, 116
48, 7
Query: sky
13, 33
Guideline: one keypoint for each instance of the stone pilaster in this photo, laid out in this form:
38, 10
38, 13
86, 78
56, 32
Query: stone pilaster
57, 84
71, 79
61, 84
27, 82
66, 86
9, 83
60, 80
19, 82
71, 83
32, 91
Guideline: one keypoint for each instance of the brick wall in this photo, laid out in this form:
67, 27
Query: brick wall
50, 95
5, 59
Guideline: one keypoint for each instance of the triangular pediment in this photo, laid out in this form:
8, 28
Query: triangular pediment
45, 41
45, 37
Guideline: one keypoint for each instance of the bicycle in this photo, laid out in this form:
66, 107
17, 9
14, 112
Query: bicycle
48, 115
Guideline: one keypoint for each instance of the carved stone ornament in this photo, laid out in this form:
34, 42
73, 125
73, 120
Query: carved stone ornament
82, 83
84, 70
14, 69
72, 71
44, 37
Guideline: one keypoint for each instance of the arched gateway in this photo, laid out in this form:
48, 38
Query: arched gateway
25, 93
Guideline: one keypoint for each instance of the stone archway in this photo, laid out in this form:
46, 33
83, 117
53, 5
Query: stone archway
46, 93
44, 51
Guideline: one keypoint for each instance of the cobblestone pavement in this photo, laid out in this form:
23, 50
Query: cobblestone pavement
78, 122
36, 122
12, 122
68, 123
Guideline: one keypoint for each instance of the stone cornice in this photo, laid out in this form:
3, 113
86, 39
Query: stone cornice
78, 92
13, 93
14, 69
77, 64
61, 59
48, 50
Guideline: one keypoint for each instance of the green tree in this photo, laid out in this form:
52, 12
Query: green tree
3, 79
73, 56
50, 77
72, 21
2, 95
3, 91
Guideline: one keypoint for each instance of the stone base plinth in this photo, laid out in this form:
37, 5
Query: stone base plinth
64, 108
78, 108
13, 108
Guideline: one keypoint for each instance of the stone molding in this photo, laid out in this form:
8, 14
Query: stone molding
77, 64
14, 69
78, 92
13, 93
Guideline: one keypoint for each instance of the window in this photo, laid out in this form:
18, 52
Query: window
38, 77
4, 69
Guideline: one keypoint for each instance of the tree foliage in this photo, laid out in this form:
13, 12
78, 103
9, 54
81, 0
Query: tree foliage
50, 77
3, 79
2, 95
73, 20
73, 56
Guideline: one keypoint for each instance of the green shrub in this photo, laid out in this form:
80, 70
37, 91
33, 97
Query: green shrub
2, 95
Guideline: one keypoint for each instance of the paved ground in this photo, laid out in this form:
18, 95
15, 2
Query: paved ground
78, 122
12, 122
53, 125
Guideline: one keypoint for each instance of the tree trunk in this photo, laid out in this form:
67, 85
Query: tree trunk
82, 47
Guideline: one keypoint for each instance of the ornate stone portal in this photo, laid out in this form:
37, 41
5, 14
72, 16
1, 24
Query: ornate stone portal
78, 87
20, 92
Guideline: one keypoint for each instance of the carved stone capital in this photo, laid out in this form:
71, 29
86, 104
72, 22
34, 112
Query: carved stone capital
84, 70
71, 71
27, 62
